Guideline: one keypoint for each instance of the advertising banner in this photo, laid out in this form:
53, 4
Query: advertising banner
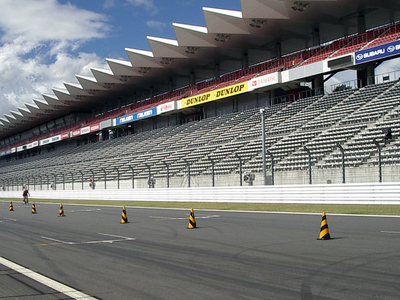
50, 140
94, 127
262, 81
32, 145
106, 124
5, 152
165, 107
76, 133
377, 52
215, 95
136, 116
85, 130
64, 135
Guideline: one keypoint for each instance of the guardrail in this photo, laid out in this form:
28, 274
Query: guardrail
370, 193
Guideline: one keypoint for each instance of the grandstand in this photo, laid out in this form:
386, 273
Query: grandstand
188, 113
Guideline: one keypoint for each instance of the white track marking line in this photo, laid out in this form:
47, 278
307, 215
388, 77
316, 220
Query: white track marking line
394, 232
185, 218
55, 285
58, 241
120, 239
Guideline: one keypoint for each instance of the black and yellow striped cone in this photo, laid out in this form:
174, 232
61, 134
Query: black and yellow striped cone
324, 232
61, 211
11, 207
192, 220
33, 208
124, 218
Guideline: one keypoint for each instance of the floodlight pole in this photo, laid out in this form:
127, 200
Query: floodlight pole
117, 175
272, 167
379, 159
167, 173
133, 177
72, 180
81, 177
55, 181
213, 171
148, 181
240, 169
343, 164
264, 168
309, 164
188, 170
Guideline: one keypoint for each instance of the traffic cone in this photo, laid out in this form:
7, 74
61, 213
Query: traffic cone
192, 220
61, 212
33, 208
11, 206
324, 232
124, 218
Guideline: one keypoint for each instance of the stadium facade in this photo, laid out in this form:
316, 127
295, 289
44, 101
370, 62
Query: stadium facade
187, 113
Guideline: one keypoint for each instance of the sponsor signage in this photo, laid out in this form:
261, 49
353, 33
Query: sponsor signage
215, 95
262, 81
85, 130
136, 116
50, 140
165, 107
377, 52
95, 127
106, 123
32, 145
5, 152
64, 135
27, 146
75, 133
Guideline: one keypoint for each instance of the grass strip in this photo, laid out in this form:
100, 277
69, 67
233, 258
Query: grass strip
373, 209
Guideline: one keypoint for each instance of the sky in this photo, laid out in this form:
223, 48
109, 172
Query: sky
44, 43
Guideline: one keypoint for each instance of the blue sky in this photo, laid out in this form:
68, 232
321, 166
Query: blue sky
44, 43
128, 22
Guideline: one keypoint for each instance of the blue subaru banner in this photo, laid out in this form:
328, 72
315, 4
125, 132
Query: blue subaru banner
136, 116
377, 52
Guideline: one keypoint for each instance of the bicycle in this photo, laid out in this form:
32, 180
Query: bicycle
25, 200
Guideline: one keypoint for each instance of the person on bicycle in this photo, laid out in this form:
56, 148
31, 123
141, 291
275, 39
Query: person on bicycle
25, 194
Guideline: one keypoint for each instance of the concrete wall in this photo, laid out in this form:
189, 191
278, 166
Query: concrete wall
373, 193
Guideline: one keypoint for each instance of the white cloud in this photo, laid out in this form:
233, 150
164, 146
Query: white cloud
147, 4
48, 20
39, 41
155, 24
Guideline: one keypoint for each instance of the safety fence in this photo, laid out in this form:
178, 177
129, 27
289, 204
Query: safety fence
374, 193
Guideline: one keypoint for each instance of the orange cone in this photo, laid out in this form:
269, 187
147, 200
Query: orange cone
192, 220
324, 232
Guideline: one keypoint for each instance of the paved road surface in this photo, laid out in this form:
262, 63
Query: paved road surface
231, 255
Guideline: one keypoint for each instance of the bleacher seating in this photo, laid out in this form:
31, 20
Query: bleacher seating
352, 118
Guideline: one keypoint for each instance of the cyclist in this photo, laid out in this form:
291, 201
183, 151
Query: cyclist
25, 194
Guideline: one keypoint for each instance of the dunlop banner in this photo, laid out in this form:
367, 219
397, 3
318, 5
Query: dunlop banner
215, 95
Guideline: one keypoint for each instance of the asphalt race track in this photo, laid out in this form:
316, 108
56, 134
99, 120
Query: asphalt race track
231, 255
